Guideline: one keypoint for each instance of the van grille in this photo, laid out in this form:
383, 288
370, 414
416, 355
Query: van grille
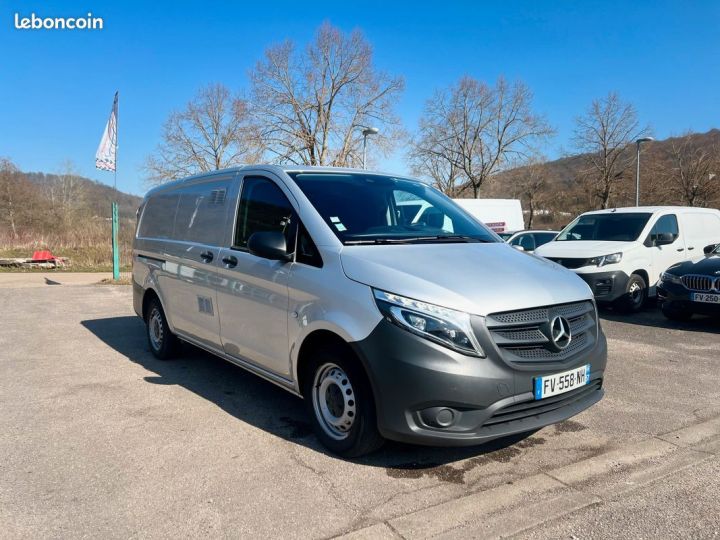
701, 283
523, 336
569, 262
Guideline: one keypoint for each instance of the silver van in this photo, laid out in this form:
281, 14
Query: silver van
325, 282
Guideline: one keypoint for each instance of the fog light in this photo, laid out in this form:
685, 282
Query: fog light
439, 417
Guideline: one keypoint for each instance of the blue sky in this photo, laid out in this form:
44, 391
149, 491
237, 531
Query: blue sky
56, 87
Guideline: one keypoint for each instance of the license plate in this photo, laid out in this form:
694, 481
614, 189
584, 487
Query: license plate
559, 383
705, 297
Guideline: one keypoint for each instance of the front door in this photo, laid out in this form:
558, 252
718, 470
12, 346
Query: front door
253, 292
663, 256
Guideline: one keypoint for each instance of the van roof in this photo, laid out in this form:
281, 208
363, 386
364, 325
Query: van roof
263, 167
651, 209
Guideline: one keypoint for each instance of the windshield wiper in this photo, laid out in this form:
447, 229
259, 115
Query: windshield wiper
418, 239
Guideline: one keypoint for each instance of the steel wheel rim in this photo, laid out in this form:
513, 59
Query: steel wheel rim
334, 401
635, 292
155, 329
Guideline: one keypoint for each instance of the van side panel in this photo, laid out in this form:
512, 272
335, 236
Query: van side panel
177, 248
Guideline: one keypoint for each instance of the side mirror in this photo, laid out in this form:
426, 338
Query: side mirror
269, 245
663, 239
518, 247
709, 249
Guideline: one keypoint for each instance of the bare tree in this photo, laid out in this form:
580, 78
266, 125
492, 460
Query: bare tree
213, 132
19, 198
428, 159
65, 191
479, 129
604, 134
530, 185
310, 104
693, 174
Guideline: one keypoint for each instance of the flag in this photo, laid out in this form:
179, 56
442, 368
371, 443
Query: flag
106, 152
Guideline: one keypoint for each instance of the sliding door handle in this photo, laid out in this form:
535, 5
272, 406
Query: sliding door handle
230, 261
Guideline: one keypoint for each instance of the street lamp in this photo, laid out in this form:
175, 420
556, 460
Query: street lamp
366, 131
637, 176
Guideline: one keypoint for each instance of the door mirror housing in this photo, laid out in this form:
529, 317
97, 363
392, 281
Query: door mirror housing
709, 249
269, 245
663, 239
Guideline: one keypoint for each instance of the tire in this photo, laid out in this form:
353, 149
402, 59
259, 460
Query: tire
163, 343
634, 297
676, 314
340, 403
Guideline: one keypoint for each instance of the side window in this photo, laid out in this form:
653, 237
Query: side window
527, 241
307, 253
263, 207
202, 212
666, 225
158, 216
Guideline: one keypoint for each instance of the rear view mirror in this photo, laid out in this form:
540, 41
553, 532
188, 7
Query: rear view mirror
269, 245
709, 249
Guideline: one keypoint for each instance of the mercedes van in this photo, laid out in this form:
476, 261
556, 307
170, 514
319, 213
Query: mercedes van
430, 331
621, 252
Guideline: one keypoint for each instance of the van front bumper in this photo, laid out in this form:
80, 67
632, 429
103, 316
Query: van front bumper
606, 286
428, 394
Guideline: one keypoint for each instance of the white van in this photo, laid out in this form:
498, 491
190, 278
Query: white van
500, 215
621, 252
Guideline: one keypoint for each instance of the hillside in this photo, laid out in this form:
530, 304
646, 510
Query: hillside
682, 170
66, 213
97, 196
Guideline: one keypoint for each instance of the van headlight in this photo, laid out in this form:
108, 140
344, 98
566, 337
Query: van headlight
670, 278
447, 327
606, 259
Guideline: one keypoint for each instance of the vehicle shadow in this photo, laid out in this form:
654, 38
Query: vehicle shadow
266, 406
651, 316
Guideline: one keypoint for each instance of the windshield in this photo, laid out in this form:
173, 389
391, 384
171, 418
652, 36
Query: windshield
372, 209
623, 227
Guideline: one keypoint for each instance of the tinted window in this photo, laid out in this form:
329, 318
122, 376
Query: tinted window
526, 241
544, 238
666, 225
622, 227
202, 212
263, 207
158, 216
360, 207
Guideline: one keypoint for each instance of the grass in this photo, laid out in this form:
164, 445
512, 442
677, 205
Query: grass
97, 258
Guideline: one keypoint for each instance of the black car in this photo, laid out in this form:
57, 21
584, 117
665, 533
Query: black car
691, 287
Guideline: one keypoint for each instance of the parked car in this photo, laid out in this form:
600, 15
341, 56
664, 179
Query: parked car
530, 240
430, 331
621, 252
692, 286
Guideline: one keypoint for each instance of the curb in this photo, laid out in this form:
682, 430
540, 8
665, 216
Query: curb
512, 508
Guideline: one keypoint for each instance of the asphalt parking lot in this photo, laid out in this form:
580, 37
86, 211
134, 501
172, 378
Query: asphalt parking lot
100, 439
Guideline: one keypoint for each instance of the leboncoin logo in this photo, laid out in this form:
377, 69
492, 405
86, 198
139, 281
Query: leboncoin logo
33, 22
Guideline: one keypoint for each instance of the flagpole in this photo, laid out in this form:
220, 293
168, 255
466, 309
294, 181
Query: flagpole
114, 207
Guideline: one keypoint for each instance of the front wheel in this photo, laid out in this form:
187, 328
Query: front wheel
635, 295
340, 403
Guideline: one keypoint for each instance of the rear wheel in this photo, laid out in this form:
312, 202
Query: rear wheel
635, 295
340, 403
163, 343
674, 313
